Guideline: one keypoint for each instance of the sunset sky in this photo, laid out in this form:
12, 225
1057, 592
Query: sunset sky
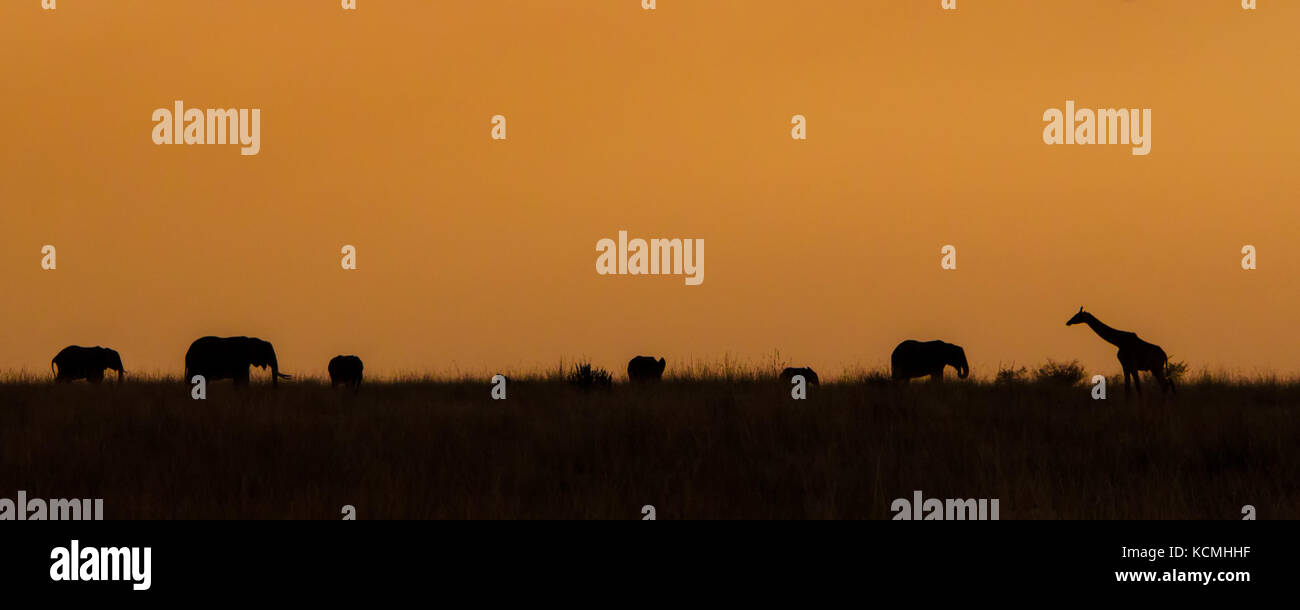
474, 255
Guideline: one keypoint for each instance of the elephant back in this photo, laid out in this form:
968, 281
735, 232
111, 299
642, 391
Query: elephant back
809, 375
645, 368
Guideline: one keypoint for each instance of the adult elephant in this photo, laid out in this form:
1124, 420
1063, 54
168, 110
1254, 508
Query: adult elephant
75, 362
920, 358
345, 371
642, 369
230, 358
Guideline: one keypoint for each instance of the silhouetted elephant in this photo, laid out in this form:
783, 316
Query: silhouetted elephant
809, 375
918, 359
230, 358
76, 362
645, 369
346, 371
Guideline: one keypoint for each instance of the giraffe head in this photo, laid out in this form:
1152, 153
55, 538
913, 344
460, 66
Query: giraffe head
1079, 318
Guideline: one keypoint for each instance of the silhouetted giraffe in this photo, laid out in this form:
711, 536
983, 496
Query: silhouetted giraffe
1135, 355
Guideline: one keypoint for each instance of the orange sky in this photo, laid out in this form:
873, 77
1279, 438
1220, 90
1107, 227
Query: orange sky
924, 129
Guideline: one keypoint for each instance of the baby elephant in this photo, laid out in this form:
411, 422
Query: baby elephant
643, 369
75, 362
345, 371
921, 358
809, 375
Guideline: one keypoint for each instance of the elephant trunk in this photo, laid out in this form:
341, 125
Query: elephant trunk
276, 375
115, 364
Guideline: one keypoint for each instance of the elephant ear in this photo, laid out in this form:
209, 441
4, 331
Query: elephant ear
257, 352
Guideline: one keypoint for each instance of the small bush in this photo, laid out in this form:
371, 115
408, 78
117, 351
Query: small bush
586, 377
1011, 375
1060, 373
1175, 371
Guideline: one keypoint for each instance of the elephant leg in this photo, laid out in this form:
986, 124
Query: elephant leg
937, 376
1137, 382
1127, 373
95, 376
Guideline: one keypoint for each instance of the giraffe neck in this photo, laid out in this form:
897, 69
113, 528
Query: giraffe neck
1118, 338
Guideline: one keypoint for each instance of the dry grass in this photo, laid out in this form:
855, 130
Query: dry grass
697, 447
